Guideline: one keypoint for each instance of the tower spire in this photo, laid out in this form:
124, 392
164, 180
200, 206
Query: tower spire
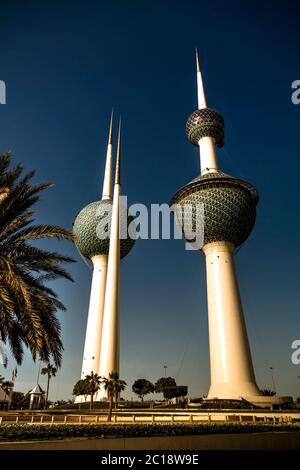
204, 128
107, 183
110, 348
200, 86
118, 170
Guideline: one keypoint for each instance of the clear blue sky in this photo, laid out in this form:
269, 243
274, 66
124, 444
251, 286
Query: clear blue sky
65, 65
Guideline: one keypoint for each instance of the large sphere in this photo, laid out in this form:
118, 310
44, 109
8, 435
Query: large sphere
91, 229
229, 208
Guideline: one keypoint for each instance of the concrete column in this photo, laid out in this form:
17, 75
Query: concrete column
232, 374
208, 158
110, 344
92, 344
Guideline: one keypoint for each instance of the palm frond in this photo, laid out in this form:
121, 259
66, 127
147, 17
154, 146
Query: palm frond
42, 231
11, 223
4, 162
28, 307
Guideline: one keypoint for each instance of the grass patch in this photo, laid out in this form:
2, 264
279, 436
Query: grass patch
20, 432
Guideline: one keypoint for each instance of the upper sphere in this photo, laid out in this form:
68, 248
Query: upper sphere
91, 229
229, 208
205, 122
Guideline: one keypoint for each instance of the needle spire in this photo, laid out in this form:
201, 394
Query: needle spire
117, 177
107, 183
200, 87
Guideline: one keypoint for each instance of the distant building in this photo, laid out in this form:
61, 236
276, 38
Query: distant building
37, 395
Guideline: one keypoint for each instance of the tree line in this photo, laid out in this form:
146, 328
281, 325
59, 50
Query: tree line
165, 385
90, 385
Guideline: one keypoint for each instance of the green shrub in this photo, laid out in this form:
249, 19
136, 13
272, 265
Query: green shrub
17, 432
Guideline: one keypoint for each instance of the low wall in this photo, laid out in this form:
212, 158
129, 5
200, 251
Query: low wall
257, 441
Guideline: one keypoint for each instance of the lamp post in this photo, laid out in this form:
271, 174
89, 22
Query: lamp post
273, 380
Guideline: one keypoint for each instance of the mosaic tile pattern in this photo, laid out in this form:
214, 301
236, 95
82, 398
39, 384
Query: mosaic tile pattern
95, 219
205, 122
229, 207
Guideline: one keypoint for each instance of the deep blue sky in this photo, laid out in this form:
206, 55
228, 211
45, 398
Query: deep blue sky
65, 65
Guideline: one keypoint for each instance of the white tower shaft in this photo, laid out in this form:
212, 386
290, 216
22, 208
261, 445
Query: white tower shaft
95, 317
208, 157
109, 356
110, 343
232, 374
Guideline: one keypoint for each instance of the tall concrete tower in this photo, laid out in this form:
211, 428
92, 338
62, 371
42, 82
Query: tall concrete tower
92, 229
229, 215
110, 342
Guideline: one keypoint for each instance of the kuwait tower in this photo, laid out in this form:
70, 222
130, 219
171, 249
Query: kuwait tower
92, 229
228, 208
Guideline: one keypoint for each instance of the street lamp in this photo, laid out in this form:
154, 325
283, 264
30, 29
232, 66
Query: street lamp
273, 380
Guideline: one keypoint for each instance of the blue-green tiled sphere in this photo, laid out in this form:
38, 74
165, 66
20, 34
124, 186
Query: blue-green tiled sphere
94, 220
229, 207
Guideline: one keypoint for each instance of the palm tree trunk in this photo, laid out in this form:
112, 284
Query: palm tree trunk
47, 392
92, 401
111, 398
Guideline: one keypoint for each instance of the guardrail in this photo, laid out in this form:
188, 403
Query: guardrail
153, 418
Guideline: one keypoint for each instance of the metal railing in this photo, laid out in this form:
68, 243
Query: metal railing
168, 418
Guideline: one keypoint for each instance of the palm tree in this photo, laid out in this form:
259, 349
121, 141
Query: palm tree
28, 306
266, 392
113, 386
50, 371
93, 382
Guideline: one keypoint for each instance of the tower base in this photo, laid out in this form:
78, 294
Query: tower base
82, 399
87, 399
274, 402
233, 390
